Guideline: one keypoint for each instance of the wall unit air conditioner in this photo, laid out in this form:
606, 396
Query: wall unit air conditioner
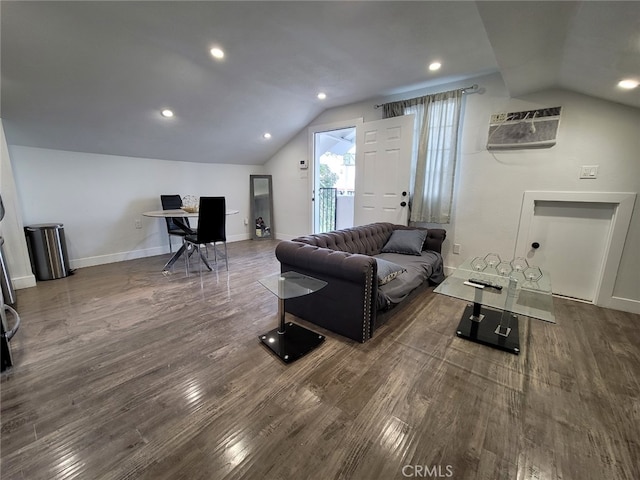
528, 129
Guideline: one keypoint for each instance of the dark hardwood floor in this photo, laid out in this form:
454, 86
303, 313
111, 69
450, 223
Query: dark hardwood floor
122, 372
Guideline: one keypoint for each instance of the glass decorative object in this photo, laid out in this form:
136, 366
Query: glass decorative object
533, 274
504, 268
190, 203
478, 264
519, 264
492, 259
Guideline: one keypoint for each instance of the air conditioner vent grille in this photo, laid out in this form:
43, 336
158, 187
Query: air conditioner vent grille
526, 129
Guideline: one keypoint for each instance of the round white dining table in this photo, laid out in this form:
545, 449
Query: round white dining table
179, 213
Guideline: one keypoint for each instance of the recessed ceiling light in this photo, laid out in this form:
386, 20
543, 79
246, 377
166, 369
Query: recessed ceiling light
166, 113
628, 84
217, 53
267, 135
322, 95
435, 66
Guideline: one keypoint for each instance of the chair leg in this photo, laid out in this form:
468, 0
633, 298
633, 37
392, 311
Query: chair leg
186, 260
190, 251
170, 248
215, 254
195, 248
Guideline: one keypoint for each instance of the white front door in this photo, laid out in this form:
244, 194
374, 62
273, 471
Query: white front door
572, 239
383, 170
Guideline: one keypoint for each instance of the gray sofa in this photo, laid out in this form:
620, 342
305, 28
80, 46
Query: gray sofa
346, 259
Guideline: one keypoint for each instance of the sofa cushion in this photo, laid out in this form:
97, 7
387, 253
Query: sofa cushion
419, 269
408, 242
387, 270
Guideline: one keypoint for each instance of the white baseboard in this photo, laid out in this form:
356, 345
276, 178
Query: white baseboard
624, 304
116, 257
281, 236
25, 281
449, 270
147, 252
238, 238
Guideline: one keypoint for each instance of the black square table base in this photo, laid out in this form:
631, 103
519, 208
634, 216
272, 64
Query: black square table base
484, 331
295, 342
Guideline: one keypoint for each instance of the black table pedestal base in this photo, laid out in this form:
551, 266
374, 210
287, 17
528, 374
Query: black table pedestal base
492, 330
293, 343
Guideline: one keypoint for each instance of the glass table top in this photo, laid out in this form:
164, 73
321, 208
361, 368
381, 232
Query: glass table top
526, 290
291, 284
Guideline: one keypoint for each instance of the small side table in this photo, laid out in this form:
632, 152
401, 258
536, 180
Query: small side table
290, 341
502, 290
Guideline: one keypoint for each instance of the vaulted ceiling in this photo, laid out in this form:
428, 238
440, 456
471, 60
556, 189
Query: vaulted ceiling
93, 76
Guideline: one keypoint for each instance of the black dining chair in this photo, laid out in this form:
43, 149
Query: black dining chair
176, 226
212, 219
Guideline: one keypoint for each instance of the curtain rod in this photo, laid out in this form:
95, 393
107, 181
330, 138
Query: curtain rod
472, 89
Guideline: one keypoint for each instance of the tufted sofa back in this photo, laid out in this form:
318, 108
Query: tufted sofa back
366, 239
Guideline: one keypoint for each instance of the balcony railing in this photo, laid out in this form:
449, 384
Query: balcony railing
327, 199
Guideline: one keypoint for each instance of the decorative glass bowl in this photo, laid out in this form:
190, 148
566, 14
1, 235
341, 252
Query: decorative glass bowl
190, 203
478, 264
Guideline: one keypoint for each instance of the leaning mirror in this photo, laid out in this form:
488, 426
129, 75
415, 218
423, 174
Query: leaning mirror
261, 206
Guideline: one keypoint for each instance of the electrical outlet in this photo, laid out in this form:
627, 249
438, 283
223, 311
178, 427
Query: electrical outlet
589, 171
456, 248
498, 117
138, 223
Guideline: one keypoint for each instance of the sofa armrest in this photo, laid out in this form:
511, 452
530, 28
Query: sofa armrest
347, 305
435, 239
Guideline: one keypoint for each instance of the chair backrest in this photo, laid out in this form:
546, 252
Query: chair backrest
212, 220
173, 202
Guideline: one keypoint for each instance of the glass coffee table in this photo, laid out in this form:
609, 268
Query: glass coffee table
290, 341
499, 291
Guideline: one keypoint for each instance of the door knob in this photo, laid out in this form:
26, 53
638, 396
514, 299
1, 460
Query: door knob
403, 204
535, 245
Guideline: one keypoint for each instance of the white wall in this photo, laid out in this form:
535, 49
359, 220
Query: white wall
98, 198
11, 227
490, 185
292, 186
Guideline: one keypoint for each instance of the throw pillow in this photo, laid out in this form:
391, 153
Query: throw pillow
408, 242
387, 270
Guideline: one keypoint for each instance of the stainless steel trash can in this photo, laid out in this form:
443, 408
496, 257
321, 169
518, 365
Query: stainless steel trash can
47, 250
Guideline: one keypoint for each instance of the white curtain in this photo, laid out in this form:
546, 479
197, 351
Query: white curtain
435, 153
